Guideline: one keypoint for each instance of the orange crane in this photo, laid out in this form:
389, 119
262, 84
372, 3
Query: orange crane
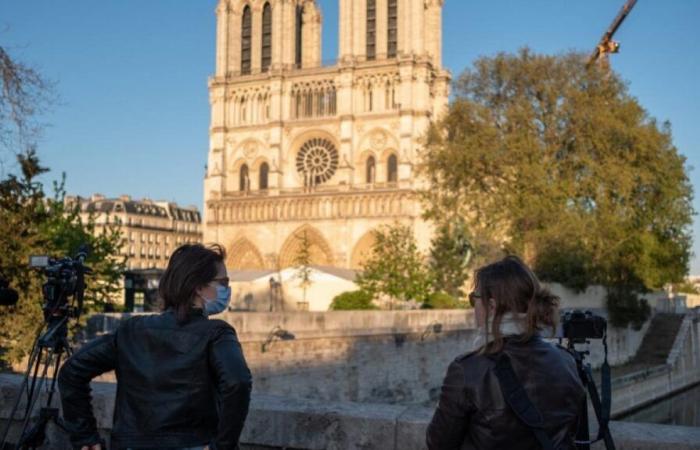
606, 44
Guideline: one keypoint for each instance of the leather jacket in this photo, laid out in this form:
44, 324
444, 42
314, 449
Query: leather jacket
178, 385
472, 413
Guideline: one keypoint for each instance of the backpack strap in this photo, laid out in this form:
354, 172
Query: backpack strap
519, 402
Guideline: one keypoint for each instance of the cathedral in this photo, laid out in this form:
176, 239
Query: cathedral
305, 152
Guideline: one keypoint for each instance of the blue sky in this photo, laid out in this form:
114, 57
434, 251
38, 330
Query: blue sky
132, 76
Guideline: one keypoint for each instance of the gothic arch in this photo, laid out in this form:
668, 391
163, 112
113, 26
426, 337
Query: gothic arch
362, 250
244, 255
321, 254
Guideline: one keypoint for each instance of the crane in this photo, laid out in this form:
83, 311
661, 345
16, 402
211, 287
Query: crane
606, 44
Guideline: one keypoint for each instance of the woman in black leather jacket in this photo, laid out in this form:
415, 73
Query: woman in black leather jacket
512, 311
182, 380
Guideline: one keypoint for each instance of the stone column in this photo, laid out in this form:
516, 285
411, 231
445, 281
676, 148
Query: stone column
234, 39
256, 42
434, 31
404, 24
359, 36
277, 34
382, 28
288, 33
222, 38
345, 29
418, 30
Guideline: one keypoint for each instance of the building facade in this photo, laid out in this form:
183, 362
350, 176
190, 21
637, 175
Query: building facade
151, 230
326, 150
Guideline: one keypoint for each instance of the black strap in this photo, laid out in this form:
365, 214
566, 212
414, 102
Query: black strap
520, 403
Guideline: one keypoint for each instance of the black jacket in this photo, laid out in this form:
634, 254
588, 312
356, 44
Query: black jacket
177, 385
472, 413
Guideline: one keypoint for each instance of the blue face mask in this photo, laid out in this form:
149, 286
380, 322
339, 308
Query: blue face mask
220, 303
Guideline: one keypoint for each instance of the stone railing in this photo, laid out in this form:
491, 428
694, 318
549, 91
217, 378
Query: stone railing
279, 422
634, 390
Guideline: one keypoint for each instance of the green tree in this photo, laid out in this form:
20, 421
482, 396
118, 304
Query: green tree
355, 300
450, 254
557, 162
302, 261
32, 223
395, 267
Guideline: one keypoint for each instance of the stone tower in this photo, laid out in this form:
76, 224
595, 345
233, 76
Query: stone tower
326, 149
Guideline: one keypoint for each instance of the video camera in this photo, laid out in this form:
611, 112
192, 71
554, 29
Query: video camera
65, 278
578, 325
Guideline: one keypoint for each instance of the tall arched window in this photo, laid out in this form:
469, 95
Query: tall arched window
392, 28
392, 169
243, 179
371, 29
246, 40
298, 43
264, 171
370, 168
266, 37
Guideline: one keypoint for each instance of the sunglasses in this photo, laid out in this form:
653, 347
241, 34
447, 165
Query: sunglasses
223, 281
473, 297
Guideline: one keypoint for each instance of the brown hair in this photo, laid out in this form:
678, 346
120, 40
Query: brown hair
515, 288
191, 266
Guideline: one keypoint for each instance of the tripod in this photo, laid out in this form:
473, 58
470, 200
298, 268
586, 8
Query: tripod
601, 408
47, 352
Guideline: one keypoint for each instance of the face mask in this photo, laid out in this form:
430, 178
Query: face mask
218, 304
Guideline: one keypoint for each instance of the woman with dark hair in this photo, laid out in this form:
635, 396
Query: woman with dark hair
513, 311
182, 380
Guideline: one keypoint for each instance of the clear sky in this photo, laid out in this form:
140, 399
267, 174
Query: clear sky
132, 76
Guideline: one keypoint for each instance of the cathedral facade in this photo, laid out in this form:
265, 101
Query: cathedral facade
306, 151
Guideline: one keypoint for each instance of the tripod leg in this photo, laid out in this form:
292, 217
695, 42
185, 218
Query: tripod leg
30, 406
33, 359
597, 408
583, 436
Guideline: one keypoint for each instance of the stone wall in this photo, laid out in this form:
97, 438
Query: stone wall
364, 356
682, 369
278, 422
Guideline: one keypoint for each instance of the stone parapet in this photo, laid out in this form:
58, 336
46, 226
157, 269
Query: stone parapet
279, 422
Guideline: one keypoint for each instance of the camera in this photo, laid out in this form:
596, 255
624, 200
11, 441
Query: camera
579, 325
65, 278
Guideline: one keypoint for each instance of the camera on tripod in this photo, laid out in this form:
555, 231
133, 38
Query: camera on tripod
62, 294
64, 279
578, 326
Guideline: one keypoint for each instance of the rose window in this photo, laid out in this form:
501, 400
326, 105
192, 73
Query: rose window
317, 161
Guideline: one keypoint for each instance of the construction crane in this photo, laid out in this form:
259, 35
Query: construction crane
606, 44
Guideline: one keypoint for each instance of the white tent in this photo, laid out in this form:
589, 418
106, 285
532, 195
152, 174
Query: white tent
255, 291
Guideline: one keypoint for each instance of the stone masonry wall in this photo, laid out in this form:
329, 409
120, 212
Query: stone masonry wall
363, 356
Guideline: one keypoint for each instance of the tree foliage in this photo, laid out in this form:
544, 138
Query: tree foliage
450, 255
395, 268
354, 300
32, 223
442, 300
556, 161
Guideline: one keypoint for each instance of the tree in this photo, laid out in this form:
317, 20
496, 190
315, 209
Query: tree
23, 94
302, 260
557, 162
33, 224
450, 255
395, 267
